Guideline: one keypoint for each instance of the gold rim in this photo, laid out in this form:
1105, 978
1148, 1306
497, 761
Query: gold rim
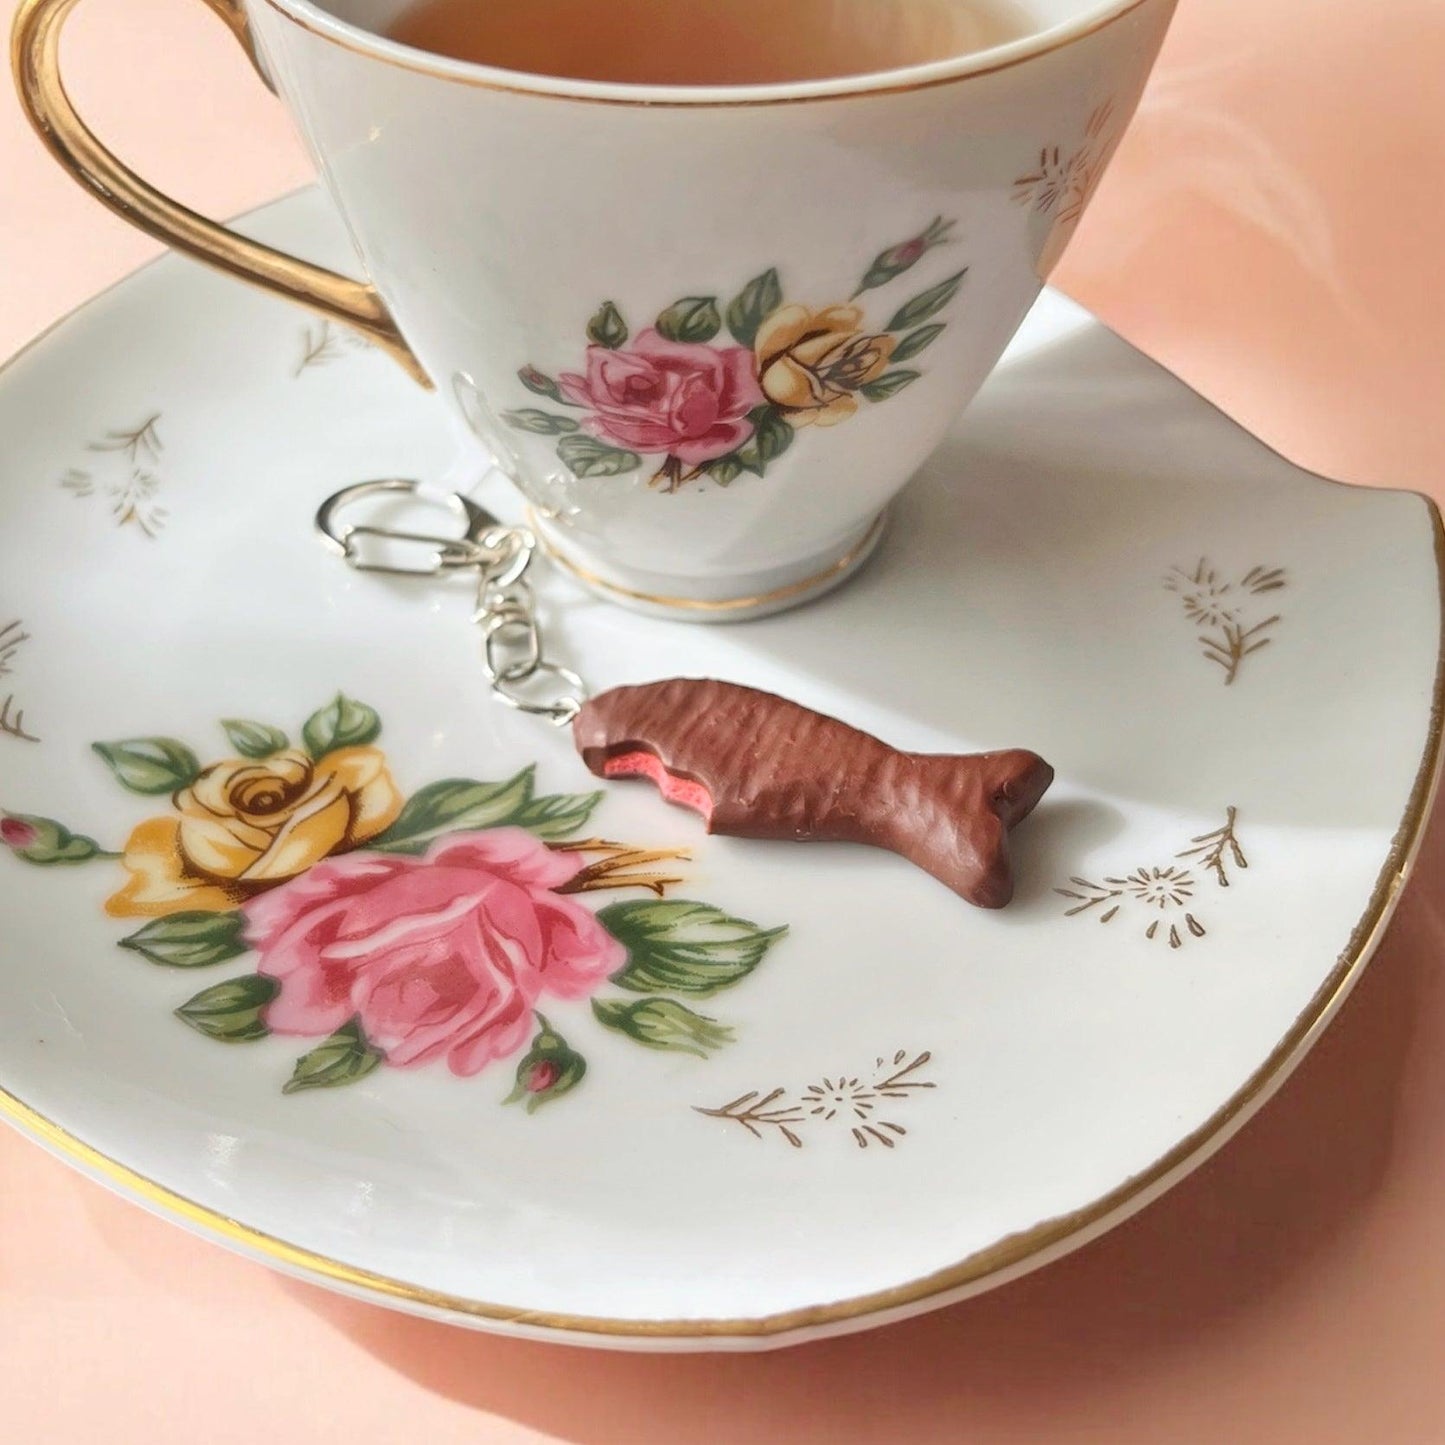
1009, 1257
833, 572
346, 36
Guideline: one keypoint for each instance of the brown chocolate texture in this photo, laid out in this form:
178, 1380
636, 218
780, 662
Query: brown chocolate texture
759, 766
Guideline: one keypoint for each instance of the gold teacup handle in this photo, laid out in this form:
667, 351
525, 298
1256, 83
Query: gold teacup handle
35, 57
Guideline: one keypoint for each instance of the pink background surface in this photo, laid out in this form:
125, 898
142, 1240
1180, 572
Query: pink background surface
1269, 231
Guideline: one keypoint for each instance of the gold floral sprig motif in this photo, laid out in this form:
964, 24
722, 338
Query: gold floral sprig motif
848, 1101
12, 718
12, 721
1163, 893
12, 639
1218, 849
127, 478
323, 343
1063, 182
1229, 626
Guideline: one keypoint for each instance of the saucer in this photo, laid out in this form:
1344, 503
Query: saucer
660, 1089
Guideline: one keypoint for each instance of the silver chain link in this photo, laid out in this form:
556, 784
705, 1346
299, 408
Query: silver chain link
513, 656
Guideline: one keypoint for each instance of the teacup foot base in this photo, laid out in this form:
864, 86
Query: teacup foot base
737, 600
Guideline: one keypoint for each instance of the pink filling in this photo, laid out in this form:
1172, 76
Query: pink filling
642, 764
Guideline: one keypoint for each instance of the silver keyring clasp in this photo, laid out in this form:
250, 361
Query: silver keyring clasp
476, 546
513, 656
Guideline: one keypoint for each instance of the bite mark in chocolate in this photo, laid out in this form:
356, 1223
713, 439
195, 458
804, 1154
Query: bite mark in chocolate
755, 765
643, 764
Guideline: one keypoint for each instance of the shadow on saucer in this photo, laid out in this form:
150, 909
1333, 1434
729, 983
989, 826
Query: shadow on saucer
1027, 595
1044, 848
1199, 1266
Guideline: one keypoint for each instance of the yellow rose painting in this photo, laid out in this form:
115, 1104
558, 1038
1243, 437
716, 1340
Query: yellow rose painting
243, 826
708, 391
811, 364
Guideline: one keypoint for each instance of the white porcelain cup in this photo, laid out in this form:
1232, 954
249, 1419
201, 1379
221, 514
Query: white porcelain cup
709, 332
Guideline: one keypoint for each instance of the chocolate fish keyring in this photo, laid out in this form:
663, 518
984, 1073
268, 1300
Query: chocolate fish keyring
753, 764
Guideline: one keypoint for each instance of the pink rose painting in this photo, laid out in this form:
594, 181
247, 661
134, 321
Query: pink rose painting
706, 410
441, 956
689, 401
432, 939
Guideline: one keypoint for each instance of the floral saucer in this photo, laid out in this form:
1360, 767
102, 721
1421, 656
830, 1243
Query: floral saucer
312, 947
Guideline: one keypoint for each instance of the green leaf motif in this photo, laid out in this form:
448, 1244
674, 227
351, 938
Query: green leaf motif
342, 723
457, 805
663, 1023
454, 805
678, 946
880, 272
540, 423
915, 341
253, 739
231, 1011
607, 328
549, 1069
189, 940
724, 470
540, 384
555, 816
772, 436
342, 1059
585, 456
753, 305
889, 384
926, 303
694, 319
150, 765
44, 841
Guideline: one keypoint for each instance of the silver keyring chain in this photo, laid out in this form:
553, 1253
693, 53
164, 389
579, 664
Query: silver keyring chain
513, 658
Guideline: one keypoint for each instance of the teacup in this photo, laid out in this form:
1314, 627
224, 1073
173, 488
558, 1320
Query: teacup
708, 332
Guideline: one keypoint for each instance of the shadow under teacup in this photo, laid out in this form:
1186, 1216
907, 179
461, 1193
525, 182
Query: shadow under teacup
708, 330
